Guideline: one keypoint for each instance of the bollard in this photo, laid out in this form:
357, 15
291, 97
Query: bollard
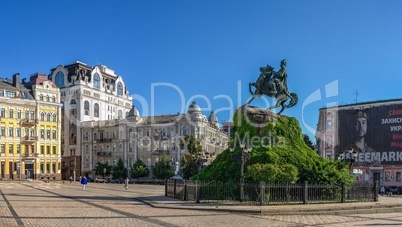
262, 193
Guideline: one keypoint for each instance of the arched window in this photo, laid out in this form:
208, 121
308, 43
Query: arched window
120, 114
53, 99
48, 117
41, 97
73, 101
59, 79
119, 89
54, 117
42, 116
86, 108
96, 110
96, 80
184, 131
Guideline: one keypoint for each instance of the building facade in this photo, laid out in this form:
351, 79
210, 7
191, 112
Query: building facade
26, 121
370, 130
148, 138
87, 94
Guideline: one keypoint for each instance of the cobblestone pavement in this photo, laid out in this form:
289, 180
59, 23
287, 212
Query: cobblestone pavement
65, 204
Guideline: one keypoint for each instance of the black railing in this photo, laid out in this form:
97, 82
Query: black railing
104, 140
267, 194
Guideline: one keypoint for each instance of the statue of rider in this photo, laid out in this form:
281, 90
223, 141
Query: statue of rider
280, 80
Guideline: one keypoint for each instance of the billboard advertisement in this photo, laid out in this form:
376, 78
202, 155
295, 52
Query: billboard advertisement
374, 132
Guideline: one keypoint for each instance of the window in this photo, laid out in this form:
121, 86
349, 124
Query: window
10, 94
42, 149
120, 114
86, 108
2, 112
54, 149
27, 114
3, 131
41, 97
18, 132
54, 117
18, 148
119, 89
73, 101
42, 133
10, 131
387, 176
96, 81
54, 134
398, 176
32, 115
47, 149
42, 116
53, 99
96, 110
11, 113
10, 148
48, 133
18, 114
59, 80
48, 117
2, 148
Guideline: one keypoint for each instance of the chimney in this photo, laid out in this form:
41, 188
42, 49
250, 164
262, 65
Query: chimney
16, 80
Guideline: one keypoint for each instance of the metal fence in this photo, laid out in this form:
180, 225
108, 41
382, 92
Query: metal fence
268, 193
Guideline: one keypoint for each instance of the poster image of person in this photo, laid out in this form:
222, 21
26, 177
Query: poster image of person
359, 132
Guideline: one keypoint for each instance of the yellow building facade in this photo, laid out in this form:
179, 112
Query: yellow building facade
30, 129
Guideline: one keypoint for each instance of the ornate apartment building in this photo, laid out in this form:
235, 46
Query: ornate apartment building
148, 138
87, 94
30, 128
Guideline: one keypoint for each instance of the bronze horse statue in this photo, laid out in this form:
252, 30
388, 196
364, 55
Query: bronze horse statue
274, 85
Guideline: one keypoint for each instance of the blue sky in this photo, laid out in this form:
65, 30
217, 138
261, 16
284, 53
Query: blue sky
208, 51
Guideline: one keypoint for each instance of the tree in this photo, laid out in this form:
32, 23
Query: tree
190, 162
162, 169
139, 169
119, 171
100, 167
308, 142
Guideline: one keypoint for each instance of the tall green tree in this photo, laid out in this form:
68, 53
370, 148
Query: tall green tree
162, 169
139, 169
119, 171
101, 167
308, 142
190, 162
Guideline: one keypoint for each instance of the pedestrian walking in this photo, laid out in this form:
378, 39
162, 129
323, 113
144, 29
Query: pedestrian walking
71, 179
84, 182
126, 183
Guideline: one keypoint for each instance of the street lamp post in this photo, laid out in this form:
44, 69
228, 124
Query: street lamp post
349, 156
245, 150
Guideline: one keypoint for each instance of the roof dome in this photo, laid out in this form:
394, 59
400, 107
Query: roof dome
133, 113
193, 108
213, 118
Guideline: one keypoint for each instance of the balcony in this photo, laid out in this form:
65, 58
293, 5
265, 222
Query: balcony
29, 156
28, 122
104, 140
104, 153
29, 139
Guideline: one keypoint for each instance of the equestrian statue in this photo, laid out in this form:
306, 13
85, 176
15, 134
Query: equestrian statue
274, 85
